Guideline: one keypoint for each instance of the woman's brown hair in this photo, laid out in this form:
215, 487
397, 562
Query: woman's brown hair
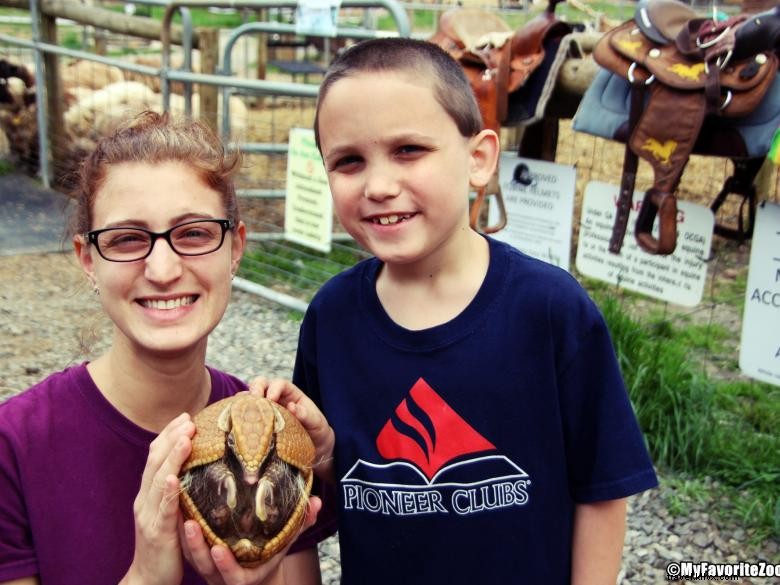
151, 137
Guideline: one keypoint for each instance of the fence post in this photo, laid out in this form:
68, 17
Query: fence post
262, 46
209, 57
54, 103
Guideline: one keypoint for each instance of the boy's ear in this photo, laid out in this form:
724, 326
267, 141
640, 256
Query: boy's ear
485, 149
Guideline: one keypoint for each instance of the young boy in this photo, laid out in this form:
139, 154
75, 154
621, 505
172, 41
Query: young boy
482, 429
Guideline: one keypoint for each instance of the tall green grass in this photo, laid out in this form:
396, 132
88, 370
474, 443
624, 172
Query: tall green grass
696, 425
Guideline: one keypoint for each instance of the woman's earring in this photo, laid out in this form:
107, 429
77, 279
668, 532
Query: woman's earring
95, 289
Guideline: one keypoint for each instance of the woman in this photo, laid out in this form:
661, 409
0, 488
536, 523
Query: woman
89, 457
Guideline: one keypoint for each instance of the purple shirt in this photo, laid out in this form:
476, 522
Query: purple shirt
70, 468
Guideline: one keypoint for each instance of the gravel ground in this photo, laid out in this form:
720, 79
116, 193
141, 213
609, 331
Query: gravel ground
49, 319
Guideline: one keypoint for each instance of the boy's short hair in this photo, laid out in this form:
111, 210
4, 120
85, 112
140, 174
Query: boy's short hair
451, 88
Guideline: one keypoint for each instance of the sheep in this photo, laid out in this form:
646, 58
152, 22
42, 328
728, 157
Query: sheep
16, 84
97, 112
18, 114
93, 114
20, 126
90, 74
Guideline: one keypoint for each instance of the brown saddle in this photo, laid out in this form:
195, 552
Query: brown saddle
682, 71
497, 62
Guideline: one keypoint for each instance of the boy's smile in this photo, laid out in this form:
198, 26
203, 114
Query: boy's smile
399, 169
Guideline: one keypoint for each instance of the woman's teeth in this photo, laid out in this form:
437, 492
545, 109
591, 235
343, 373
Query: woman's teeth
163, 305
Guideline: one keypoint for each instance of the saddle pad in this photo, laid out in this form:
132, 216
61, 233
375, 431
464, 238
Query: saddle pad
604, 110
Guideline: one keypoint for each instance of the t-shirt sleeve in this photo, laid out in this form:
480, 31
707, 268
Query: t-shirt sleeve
606, 453
17, 555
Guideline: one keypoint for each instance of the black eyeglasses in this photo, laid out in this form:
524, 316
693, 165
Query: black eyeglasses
191, 238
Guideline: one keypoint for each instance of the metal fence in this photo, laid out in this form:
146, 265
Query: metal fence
256, 116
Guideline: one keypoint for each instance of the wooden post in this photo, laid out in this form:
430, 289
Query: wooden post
208, 94
54, 101
101, 41
262, 46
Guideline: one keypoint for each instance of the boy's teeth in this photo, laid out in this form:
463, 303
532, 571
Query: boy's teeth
391, 219
169, 304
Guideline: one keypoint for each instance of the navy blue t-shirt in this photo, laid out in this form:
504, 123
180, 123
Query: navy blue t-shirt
461, 450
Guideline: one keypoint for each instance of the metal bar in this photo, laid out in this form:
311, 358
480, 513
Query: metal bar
277, 236
270, 294
38, 46
40, 100
398, 14
186, 41
262, 193
253, 86
272, 27
259, 147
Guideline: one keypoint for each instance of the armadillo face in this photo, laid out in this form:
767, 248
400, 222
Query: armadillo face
248, 478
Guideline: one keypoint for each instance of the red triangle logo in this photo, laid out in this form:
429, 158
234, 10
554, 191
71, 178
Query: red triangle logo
428, 434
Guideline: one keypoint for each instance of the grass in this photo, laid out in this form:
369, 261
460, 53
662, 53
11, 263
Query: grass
288, 266
699, 427
6, 167
201, 17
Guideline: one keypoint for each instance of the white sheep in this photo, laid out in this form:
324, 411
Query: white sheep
96, 113
90, 74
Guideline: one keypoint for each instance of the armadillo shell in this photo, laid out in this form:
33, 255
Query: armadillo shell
222, 496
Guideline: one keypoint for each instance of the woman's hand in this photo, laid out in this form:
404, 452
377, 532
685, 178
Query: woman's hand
218, 565
303, 408
158, 554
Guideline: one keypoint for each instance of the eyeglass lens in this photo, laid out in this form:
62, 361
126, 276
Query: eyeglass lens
190, 239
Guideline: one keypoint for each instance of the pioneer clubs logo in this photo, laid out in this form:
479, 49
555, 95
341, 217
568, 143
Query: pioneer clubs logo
434, 463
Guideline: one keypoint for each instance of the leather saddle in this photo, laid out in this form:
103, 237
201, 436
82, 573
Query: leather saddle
692, 83
498, 61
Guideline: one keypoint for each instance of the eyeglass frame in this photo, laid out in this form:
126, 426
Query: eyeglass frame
225, 224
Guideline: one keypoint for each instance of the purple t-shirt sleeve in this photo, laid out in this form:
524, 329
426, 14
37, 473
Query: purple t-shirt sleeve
17, 556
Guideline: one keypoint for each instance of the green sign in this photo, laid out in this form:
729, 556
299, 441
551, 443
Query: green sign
308, 211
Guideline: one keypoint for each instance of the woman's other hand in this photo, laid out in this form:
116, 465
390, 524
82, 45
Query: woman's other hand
158, 554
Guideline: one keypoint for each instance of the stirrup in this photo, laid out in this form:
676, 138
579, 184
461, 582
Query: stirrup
476, 211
